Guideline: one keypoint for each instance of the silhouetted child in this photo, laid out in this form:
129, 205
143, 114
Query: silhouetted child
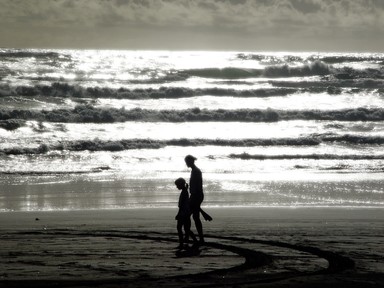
183, 217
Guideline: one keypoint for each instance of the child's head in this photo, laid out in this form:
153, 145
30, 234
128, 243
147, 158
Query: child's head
180, 183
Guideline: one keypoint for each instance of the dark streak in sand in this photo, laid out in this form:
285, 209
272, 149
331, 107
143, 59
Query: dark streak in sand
254, 260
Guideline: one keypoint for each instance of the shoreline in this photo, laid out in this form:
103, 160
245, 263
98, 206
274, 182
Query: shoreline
151, 214
117, 191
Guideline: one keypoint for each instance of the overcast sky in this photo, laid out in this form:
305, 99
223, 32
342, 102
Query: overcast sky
276, 25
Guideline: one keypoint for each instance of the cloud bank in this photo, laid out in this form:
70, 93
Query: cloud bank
183, 24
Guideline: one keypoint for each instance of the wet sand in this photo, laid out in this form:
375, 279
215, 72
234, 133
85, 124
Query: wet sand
245, 247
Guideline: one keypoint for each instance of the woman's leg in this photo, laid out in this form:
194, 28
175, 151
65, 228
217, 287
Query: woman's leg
198, 224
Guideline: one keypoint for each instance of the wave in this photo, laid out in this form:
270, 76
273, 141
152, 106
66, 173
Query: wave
329, 59
12, 124
315, 68
41, 54
89, 114
246, 156
133, 144
333, 82
65, 90
338, 59
352, 139
270, 59
281, 88
53, 173
99, 145
5, 71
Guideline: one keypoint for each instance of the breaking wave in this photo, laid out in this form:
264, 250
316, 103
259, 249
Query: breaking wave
54, 173
66, 90
334, 82
329, 59
352, 139
282, 88
315, 68
41, 54
312, 69
351, 58
132, 144
90, 114
246, 156
11, 124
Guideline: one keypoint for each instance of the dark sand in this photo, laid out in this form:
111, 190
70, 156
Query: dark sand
246, 247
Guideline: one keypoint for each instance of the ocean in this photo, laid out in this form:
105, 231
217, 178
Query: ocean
87, 129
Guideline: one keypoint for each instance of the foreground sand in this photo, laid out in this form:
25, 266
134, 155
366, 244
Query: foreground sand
258, 247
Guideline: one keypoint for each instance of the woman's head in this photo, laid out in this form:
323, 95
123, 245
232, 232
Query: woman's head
190, 160
180, 183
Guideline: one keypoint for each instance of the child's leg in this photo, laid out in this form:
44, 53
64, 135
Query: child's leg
193, 236
188, 231
187, 228
180, 231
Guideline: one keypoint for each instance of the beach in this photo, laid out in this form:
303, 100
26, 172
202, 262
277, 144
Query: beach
289, 143
104, 104
245, 247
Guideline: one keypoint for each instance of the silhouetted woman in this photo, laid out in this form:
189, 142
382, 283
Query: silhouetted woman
197, 194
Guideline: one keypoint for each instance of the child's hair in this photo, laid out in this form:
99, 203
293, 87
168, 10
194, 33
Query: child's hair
181, 182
